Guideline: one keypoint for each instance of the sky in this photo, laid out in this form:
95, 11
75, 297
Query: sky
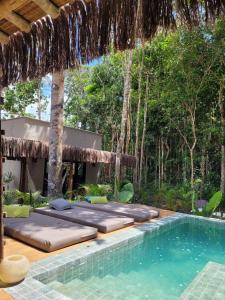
46, 91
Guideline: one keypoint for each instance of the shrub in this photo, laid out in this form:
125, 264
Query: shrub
95, 190
9, 197
173, 198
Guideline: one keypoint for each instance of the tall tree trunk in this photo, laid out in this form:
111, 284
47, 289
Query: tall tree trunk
56, 135
143, 134
192, 167
126, 97
222, 121
1, 185
112, 150
146, 170
39, 109
162, 159
128, 130
159, 162
202, 171
127, 140
138, 116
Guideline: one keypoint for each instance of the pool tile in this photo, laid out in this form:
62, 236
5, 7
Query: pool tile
208, 284
56, 267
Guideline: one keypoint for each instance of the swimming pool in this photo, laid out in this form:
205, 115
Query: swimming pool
156, 267
153, 261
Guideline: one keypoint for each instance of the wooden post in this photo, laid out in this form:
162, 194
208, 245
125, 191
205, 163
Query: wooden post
56, 135
1, 187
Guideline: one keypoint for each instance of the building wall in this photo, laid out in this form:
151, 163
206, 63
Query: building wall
33, 129
28, 128
35, 174
92, 173
13, 166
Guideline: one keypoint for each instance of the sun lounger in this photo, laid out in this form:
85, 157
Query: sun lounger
140, 213
104, 222
47, 233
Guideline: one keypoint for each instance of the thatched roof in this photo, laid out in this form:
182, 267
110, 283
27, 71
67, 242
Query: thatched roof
17, 148
85, 30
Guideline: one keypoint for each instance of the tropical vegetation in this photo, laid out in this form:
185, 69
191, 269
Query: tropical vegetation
172, 120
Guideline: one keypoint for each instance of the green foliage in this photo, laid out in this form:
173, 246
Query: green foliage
126, 193
9, 197
212, 205
23, 94
19, 96
214, 202
95, 189
34, 199
8, 177
174, 198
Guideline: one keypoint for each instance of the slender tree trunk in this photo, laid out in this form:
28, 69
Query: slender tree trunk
159, 162
222, 121
127, 141
56, 135
192, 168
128, 131
191, 146
138, 116
126, 97
146, 170
184, 164
202, 170
162, 159
112, 148
39, 109
143, 134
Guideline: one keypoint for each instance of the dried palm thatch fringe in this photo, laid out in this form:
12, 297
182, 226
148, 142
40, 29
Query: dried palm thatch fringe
18, 148
86, 30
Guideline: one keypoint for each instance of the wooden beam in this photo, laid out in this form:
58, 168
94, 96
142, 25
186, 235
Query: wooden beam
3, 37
7, 13
12, 5
12, 17
48, 7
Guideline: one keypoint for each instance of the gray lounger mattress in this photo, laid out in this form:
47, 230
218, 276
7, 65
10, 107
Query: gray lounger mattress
47, 233
140, 213
104, 222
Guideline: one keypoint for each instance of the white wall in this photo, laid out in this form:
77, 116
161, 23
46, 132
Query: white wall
13, 166
33, 129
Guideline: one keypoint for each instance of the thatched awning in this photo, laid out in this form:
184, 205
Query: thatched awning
87, 29
17, 148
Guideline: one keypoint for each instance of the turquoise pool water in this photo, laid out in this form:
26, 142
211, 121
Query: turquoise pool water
158, 267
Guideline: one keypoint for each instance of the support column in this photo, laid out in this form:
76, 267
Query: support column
56, 135
1, 186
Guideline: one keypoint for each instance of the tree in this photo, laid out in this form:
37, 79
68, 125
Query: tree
22, 95
19, 96
56, 135
126, 99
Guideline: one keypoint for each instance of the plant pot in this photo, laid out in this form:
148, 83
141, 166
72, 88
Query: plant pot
13, 269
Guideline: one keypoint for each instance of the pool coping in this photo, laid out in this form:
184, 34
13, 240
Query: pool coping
45, 269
